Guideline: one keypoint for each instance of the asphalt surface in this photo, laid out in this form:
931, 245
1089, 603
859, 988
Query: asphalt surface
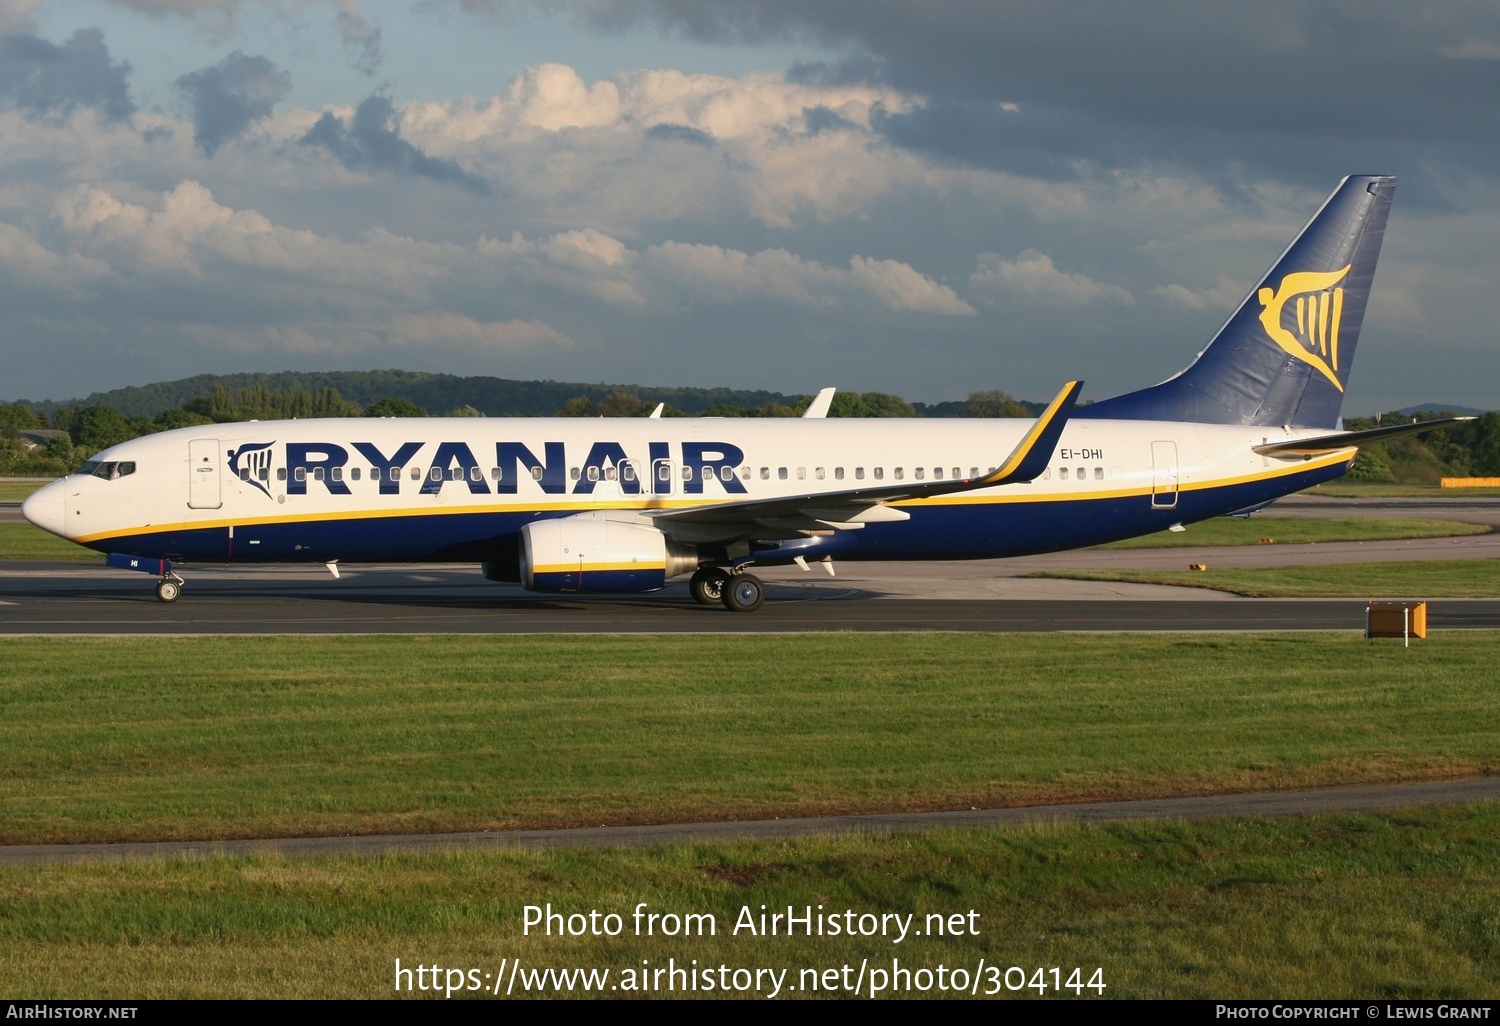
1284, 803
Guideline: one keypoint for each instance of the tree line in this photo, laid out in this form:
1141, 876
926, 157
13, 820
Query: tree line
61, 438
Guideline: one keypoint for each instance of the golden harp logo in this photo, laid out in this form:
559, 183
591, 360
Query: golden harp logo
1302, 317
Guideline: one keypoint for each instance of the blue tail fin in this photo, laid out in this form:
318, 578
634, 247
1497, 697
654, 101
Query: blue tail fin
1284, 357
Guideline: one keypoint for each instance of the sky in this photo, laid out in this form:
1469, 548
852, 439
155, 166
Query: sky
924, 199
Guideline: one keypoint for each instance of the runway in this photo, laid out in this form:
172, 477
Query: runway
74, 599
63, 598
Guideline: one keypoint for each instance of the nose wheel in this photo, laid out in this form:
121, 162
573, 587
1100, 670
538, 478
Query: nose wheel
169, 588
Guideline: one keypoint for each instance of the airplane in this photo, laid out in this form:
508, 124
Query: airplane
624, 505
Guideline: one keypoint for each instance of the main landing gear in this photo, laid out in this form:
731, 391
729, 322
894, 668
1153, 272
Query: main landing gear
737, 592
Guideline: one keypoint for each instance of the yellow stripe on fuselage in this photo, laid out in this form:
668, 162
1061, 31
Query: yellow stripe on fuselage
1013, 494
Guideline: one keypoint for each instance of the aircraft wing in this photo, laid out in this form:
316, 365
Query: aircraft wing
1299, 447
856, 507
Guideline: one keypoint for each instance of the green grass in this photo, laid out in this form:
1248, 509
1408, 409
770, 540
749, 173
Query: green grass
1392, 490
15, 491
1415, 579
23, 541
1297, 530
151, 738
1389, 906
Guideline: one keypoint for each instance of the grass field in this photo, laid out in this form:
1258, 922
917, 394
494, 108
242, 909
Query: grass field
1384, 490
1389, 906
1297, 530
140, 739
14, 491
1415, 579
23, 541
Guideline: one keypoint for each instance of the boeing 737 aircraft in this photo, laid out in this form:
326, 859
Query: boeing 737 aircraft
589, 505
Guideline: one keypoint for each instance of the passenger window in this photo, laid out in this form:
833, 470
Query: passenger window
818, 473
958, 472
765, 473
1083, 473
627, 472
745, 473
281, 473
395, 473
838, 473
801, 473
264, 473
1062, 473
1098, 473
879, 473
318, 473
593, 473
664, 473
920, 473
456, 474
573, 473
899, 473
475, 474
434, 474
859, 473
301, 474
937, 473
494, 473
687, 473
354, 473
536, 473
244, 473
781, 473
416, 473
726, 473
337, 473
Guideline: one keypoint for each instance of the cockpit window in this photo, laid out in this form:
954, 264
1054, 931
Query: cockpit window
107, 471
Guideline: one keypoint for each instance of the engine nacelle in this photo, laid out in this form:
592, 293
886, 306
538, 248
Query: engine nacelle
589, 554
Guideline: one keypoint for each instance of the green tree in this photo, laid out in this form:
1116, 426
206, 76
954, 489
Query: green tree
578, 406
393, 407
622, 404
99, 427
994, 402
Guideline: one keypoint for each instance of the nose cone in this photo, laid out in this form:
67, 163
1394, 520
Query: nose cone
45, 508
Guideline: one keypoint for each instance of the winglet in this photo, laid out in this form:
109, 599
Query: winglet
819, 406
1032, 454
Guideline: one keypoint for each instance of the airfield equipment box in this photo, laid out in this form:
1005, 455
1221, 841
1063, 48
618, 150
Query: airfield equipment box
1404, 620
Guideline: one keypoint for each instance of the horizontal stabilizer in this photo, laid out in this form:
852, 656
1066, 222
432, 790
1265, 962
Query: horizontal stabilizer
1344, 439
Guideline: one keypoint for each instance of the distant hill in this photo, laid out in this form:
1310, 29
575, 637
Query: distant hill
436, 393
1462, 411
439, 393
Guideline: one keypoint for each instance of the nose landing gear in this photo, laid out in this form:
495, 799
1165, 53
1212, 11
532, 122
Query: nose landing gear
169, 587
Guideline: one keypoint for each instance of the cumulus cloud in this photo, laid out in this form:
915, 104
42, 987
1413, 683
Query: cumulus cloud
371, 141
361, 38
1224, 294
230, 96
426, 329
43, 79
1033, 275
